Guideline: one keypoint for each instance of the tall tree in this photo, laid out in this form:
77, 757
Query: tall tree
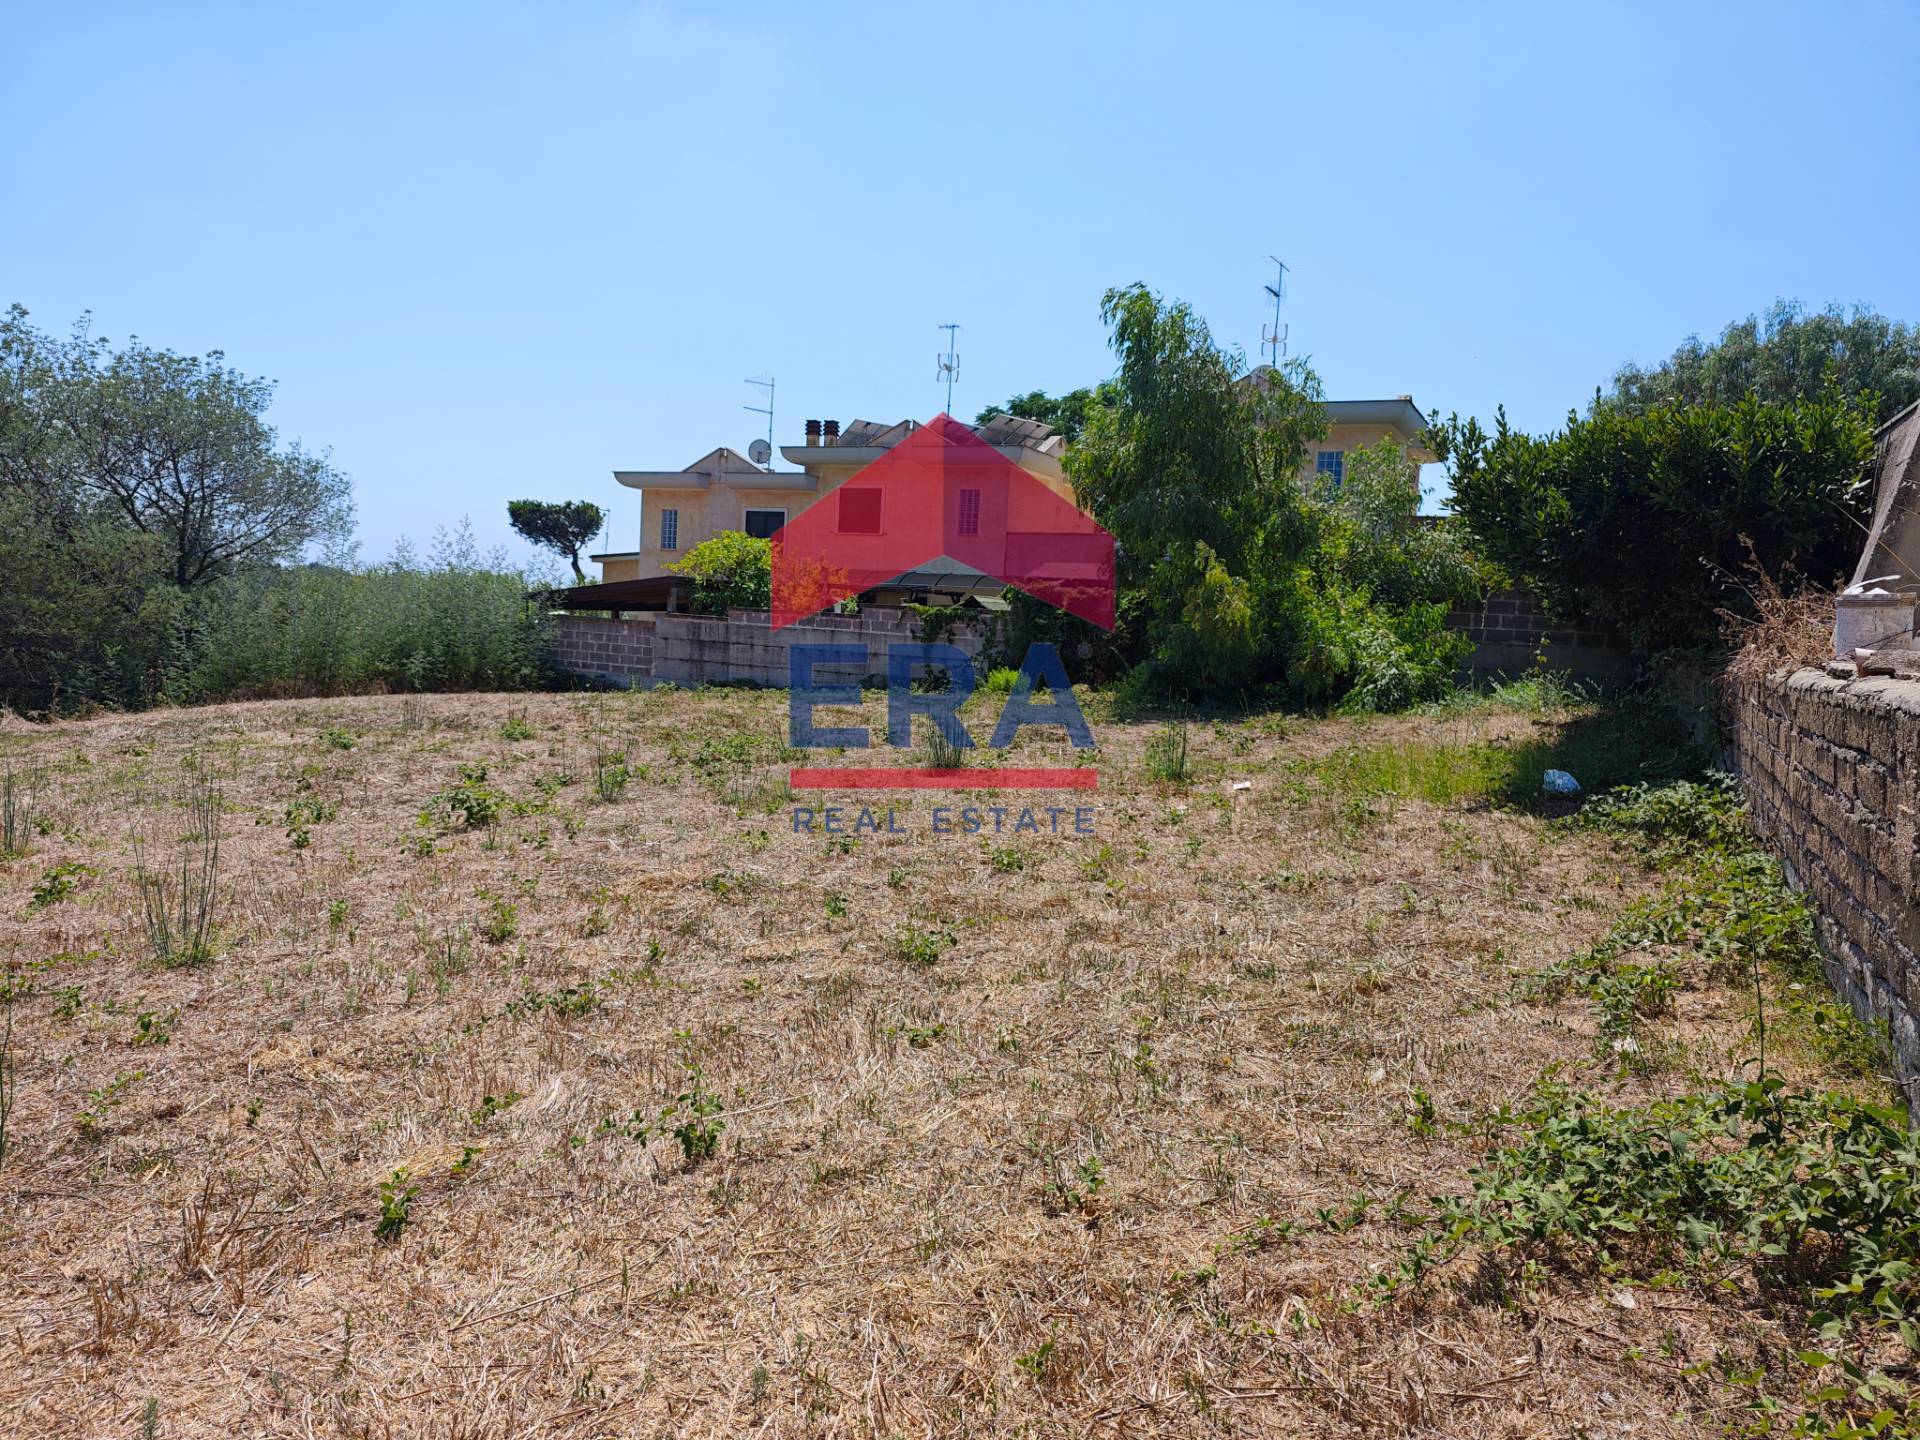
173, 446
1790, 354
1193, 469
562, 526
1192, 450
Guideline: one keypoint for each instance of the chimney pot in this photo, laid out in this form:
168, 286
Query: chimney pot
813, 432
832, 432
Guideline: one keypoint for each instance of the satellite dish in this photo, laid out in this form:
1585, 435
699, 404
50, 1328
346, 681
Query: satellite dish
759, 452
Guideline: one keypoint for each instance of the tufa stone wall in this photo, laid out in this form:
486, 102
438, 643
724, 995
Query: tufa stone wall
1832, 774
742, 649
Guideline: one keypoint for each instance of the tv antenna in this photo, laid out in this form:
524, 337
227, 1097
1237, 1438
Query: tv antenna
949, 364
766, 409
1274, 337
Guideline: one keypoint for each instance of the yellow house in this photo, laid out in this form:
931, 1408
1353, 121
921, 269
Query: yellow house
724, 490
1356, 424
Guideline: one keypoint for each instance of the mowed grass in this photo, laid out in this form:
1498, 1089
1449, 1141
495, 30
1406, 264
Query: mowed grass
538, 1078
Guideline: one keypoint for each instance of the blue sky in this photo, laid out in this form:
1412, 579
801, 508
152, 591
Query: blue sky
491, 251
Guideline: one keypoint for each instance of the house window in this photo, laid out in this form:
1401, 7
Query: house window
1333, 465
969, 512
669, 529
859, 510
761, 524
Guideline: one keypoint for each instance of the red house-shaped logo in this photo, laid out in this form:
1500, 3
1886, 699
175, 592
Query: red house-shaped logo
943, 493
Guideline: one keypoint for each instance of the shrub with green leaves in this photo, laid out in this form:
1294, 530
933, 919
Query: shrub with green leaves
396, 1208
1167, 754
1632, 521
611, 772
698, 1126
302, 813
731, 571
922, 946
501, 922
1815, 1196
474, 801
1687, 815
60, 883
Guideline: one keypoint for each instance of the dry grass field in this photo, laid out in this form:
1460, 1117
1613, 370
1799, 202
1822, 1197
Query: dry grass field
535, 1103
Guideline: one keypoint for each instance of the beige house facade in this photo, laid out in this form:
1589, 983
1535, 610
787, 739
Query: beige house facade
1356, 424
725, 490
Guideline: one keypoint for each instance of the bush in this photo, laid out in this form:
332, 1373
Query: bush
731, 571
1350, 652
1815, 1197
1636, 523
460, 621
1237, 572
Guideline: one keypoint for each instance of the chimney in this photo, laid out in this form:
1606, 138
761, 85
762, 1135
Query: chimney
832, 435
813, 432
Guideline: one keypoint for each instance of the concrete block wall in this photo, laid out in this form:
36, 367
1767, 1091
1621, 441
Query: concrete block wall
619, 650
1510, 635
1508, 632
1832, 773
742, 648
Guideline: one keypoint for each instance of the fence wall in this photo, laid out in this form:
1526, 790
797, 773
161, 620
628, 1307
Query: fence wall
1511, 636
1832, 773
743, 648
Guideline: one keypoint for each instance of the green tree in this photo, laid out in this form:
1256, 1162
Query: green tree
562, 526
1365, 622
148, 518
87, 613
1789, 354
174, 446
731, 571
1191, 453
1637, 522
1194, 467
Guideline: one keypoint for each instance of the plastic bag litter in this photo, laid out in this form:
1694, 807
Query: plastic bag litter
1559, 782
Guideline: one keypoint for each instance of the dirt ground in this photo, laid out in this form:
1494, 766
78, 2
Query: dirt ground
681, 1122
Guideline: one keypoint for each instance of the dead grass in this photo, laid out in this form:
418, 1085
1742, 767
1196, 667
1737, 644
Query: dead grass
1791, 625
1084, 1170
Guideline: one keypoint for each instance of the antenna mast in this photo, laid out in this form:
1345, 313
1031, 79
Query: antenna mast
1274, 337
949, 364
766, 409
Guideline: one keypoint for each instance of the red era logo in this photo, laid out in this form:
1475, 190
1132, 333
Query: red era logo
943, 492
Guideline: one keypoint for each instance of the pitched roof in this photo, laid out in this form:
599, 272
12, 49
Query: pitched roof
1015, 529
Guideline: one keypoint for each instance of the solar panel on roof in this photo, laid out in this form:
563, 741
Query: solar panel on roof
1014, 430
